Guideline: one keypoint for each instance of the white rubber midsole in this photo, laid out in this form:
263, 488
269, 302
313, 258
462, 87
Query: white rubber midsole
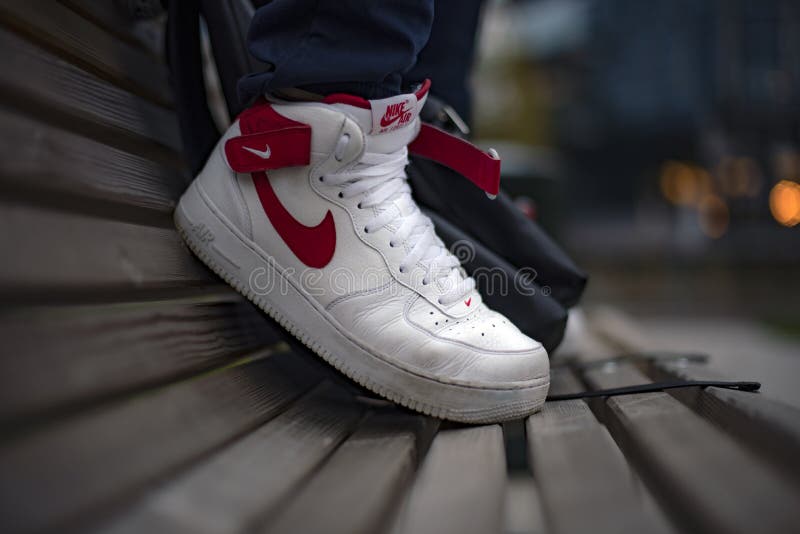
234, 257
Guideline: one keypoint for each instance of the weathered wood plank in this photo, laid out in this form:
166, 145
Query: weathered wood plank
68, 35
523, 511
768, 427
461, 485
58, 357
59, 93
234, 489
563, 381
702, 478
361, 486
60, 252
37, 159
578, 466
64, 475
146, 35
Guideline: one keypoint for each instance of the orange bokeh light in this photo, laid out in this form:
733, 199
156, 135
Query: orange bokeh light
714, 216
683, 183
784, 202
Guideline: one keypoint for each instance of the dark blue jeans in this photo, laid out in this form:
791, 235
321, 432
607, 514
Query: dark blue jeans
370, 48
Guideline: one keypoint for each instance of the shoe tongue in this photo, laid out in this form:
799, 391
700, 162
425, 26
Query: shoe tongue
390, 123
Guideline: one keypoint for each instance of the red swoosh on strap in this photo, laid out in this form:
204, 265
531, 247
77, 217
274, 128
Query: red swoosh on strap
313, 245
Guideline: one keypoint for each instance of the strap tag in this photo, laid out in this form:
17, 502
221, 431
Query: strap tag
389, 114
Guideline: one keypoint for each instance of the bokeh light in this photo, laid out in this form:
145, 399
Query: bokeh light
684, 184
784, 202
714, 216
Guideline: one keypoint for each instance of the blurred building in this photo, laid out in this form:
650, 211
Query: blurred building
671, 130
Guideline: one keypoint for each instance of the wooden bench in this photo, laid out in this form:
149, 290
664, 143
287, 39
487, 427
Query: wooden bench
140, 394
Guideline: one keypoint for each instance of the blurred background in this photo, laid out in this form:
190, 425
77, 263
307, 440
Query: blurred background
659, 141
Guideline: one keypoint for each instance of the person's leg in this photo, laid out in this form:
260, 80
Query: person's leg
448, 56
360, 47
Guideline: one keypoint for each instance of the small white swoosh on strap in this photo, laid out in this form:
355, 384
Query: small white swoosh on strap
261, 154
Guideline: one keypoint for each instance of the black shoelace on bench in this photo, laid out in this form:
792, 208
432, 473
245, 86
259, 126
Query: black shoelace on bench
655, 387
651, 387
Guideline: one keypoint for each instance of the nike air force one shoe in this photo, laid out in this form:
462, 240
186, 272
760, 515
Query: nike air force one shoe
304, 208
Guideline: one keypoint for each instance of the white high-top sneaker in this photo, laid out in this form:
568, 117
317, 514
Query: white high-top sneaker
305, 209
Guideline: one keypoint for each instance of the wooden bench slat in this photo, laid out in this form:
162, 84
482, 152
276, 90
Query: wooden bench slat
460, 488
706, 481
146, 35
578, 466
769, 427
564, 381
57, 357
67, 34
64, 475
62, 94
359, 488
523, 511
37, 159
233, 490
59, 252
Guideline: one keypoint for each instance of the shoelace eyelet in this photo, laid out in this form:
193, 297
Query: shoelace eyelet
359, 206
366, 230
341, 195
402, 269
321, 178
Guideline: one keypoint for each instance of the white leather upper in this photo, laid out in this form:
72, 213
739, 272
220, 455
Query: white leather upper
362, 289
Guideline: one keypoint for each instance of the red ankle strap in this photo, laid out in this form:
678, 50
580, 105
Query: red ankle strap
479, 167
268, 141
271, 141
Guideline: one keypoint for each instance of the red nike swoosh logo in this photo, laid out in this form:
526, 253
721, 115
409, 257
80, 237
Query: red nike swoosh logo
468, 301
387, 122
313, 245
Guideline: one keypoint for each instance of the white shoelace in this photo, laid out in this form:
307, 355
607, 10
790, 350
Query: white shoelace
381, 181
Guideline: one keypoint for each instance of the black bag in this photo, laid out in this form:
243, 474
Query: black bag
520, 271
